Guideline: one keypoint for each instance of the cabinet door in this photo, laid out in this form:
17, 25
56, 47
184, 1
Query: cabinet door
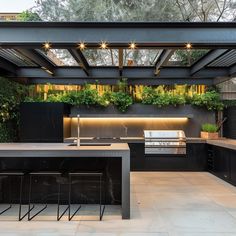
221, 162
197, 156
233, 166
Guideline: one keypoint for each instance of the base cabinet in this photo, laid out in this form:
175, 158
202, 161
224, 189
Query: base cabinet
222, 163
195, 159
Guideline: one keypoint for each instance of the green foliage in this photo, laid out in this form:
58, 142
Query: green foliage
122, 101
211, 100
88, 96
28, 16
8, 133
161, 98
148, 95
11, 95
105, 99
210, 128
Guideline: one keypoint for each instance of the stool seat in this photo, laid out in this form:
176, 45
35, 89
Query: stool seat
7, 173
45, 173
79, 173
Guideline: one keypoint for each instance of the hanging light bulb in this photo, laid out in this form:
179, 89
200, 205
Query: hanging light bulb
103, 45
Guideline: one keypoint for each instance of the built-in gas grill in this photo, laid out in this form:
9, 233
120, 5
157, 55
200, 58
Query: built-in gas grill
165, 142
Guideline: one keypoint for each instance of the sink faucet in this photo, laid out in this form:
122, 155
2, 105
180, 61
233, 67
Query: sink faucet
125, 129
78, 138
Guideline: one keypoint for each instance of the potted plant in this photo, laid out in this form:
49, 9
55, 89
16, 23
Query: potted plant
209, 131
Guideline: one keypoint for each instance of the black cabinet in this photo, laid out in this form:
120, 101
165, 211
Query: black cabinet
43, 122
222, 163
195, 159
233, 167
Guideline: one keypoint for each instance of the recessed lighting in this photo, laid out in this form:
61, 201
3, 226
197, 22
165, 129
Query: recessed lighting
47, 45
103, 45
189, 45
81, 46
132, 45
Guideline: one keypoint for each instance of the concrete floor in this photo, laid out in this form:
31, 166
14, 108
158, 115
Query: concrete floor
162, 204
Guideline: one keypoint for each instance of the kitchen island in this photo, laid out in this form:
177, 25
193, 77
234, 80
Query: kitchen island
13, 154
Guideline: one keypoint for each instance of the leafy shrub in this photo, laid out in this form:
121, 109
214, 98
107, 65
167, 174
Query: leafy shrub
11, 95
210, 100
148, 95
105, 99
121, 100
211, 128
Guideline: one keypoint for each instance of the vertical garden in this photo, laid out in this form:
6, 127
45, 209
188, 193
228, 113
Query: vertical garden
11, 95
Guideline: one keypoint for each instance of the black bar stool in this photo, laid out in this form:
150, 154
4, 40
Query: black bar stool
45, 174
9, 175
84, 174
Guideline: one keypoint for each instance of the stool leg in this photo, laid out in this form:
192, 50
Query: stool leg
9, 191
100, 188
29, 206
69, 215
20, 203
58, 201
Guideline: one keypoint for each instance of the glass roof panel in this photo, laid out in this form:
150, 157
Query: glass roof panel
101, 57
60, 57
141, 57
16, 58
184, 57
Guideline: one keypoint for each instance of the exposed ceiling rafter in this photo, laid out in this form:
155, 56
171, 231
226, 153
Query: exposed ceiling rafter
80, 58
8, 66
38, 59
163, 59
207, 59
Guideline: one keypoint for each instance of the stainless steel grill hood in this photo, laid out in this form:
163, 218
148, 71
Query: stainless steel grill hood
166, 142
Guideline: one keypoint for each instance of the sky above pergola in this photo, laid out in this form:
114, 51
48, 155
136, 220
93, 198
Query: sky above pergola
16, 5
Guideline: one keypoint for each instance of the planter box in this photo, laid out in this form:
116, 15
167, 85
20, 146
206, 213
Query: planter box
207, 135
137, 110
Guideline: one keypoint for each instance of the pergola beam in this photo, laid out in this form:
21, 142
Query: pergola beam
128, 72
113, 81
119, 34
80, 58
38, 59
163, 59
207, 59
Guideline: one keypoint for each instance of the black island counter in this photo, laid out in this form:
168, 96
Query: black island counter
113, 159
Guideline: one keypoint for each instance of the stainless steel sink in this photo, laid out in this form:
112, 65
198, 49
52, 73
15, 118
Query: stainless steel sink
90, 144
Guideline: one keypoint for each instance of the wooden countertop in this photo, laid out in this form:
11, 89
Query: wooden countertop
225, 143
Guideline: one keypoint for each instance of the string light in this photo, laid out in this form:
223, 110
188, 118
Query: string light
103, 45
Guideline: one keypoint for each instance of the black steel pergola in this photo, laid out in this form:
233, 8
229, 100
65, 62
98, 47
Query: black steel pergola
21, 58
